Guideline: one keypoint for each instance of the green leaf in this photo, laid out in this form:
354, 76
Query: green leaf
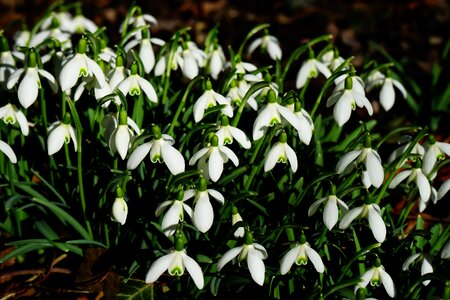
137, 290
23, 249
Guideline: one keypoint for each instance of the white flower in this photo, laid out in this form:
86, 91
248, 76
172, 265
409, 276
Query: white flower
417, 149
236, 218
208, 99
370, 211
161, 150
203, 216
425, 268
175, 263
140, 20
310, 69
174, 214
434, 151
252, 253
332, 59
30, 84
8, 151
373, 173
247, 70
281, 152
271, 114
10, 115
345, 100
120, 138
119, 208
190, 59
269, 43
211, 159
79, 65
306, 125
134, 84
146, 53
216, 61
79, 24
60, 133
418, 177
331, 211
387, 93
7, 62
238, 90
374, 275
227, 133
300, 255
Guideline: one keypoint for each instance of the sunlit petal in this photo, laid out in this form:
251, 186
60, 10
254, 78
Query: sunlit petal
387, 282
315, 259
346, 160
158, 267
349, 217
194, 270
409, 261
203, 214
8, 151
288, 260
56, 139
228, 256
256, 266
173, 159
377, 225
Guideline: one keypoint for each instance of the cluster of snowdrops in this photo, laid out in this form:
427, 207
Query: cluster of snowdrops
303, 199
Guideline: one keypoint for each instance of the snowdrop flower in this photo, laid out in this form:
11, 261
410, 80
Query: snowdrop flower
10, 115
139, 20
300, 255
252, 253
216, 61
146, 53
174, 214
310, 69
434, 151
7, 61
372, 212
417, 175
373, 173
236, 218
346, 100
60, 133
119, 208
238, 89
227, 133
331, 211
161, 150
79, 24
272, 114
332, 59
387, 93
8, 151
417, 149
80, 65
121, 137
203, 216
374, 275
211, 159
246, 69
118, 73
425, 268
175, 263
281, 152
190, 59
134, 84
208, 99
30, 84
269, 43
306, 125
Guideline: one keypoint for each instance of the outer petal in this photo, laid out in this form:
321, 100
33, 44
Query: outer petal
342, 110
256, 266
55, 139
14, 78
138, 155
274, 49
203, 214
159, 210
171, 218
303, 74
173, 159
387, 283
313, 208
387, 94
429, 160
273, 156
122, 140
51, 80
426, 268
215, 164
148, 89
189, 68
330, 213
290, 116
125, 85
445, 187
399, 178
315, 259
375, 169
69, 74
28, 89
255, 44
216, 195
228, 256
23, 123
158, 267
346, 160
194, 270
362, 101
349, 217
197, 155
365, 279
200, 107
424, 186
377, 225
120, 211
5, 148
240, 137
304, 131
96, 70
400, 86
230, 154
409, 261
288, 260
292, 157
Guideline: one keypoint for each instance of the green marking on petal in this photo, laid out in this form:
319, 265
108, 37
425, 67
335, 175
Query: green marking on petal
178, 271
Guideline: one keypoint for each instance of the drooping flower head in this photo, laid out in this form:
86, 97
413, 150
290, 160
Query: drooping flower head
281, 152
227, 134
235, 219
267, 43
311, 69
331, 211
11, 115
175, 213
377, 276
61, 132
209, 99
120, 207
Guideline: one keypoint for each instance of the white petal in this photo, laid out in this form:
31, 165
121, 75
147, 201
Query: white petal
330, 213
365, 279
194, 270
158, 267
173, 159
122, 140
23, 123
72, 137
125, 85
315, 259
171, 218
445, 187
273, 156
197, 155
148, 89
313, 208
51, 80
138, 155
304, 131
96, 70
200, 107
274, 50
342, 110
346, 160
5, 148
216, 195
409, 261
399, 178
28, 89
303, 74
190, 67
56, 139
387, 283
120, 211
426, 268
377, 225
387, 94
349, 217
375, 169
290, 116
288, 260
68, 76
256, 266
400, 86
240, 137
230, 154
323, 69
228, 256
255, 44
429, 160
292, 157
424, 186
159, 210
14, 78
215, 164
203, 214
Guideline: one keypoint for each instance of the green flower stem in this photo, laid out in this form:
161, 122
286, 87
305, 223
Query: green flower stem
79, 163
303, 91
323, 236
182, 103
361, 266
398, 165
